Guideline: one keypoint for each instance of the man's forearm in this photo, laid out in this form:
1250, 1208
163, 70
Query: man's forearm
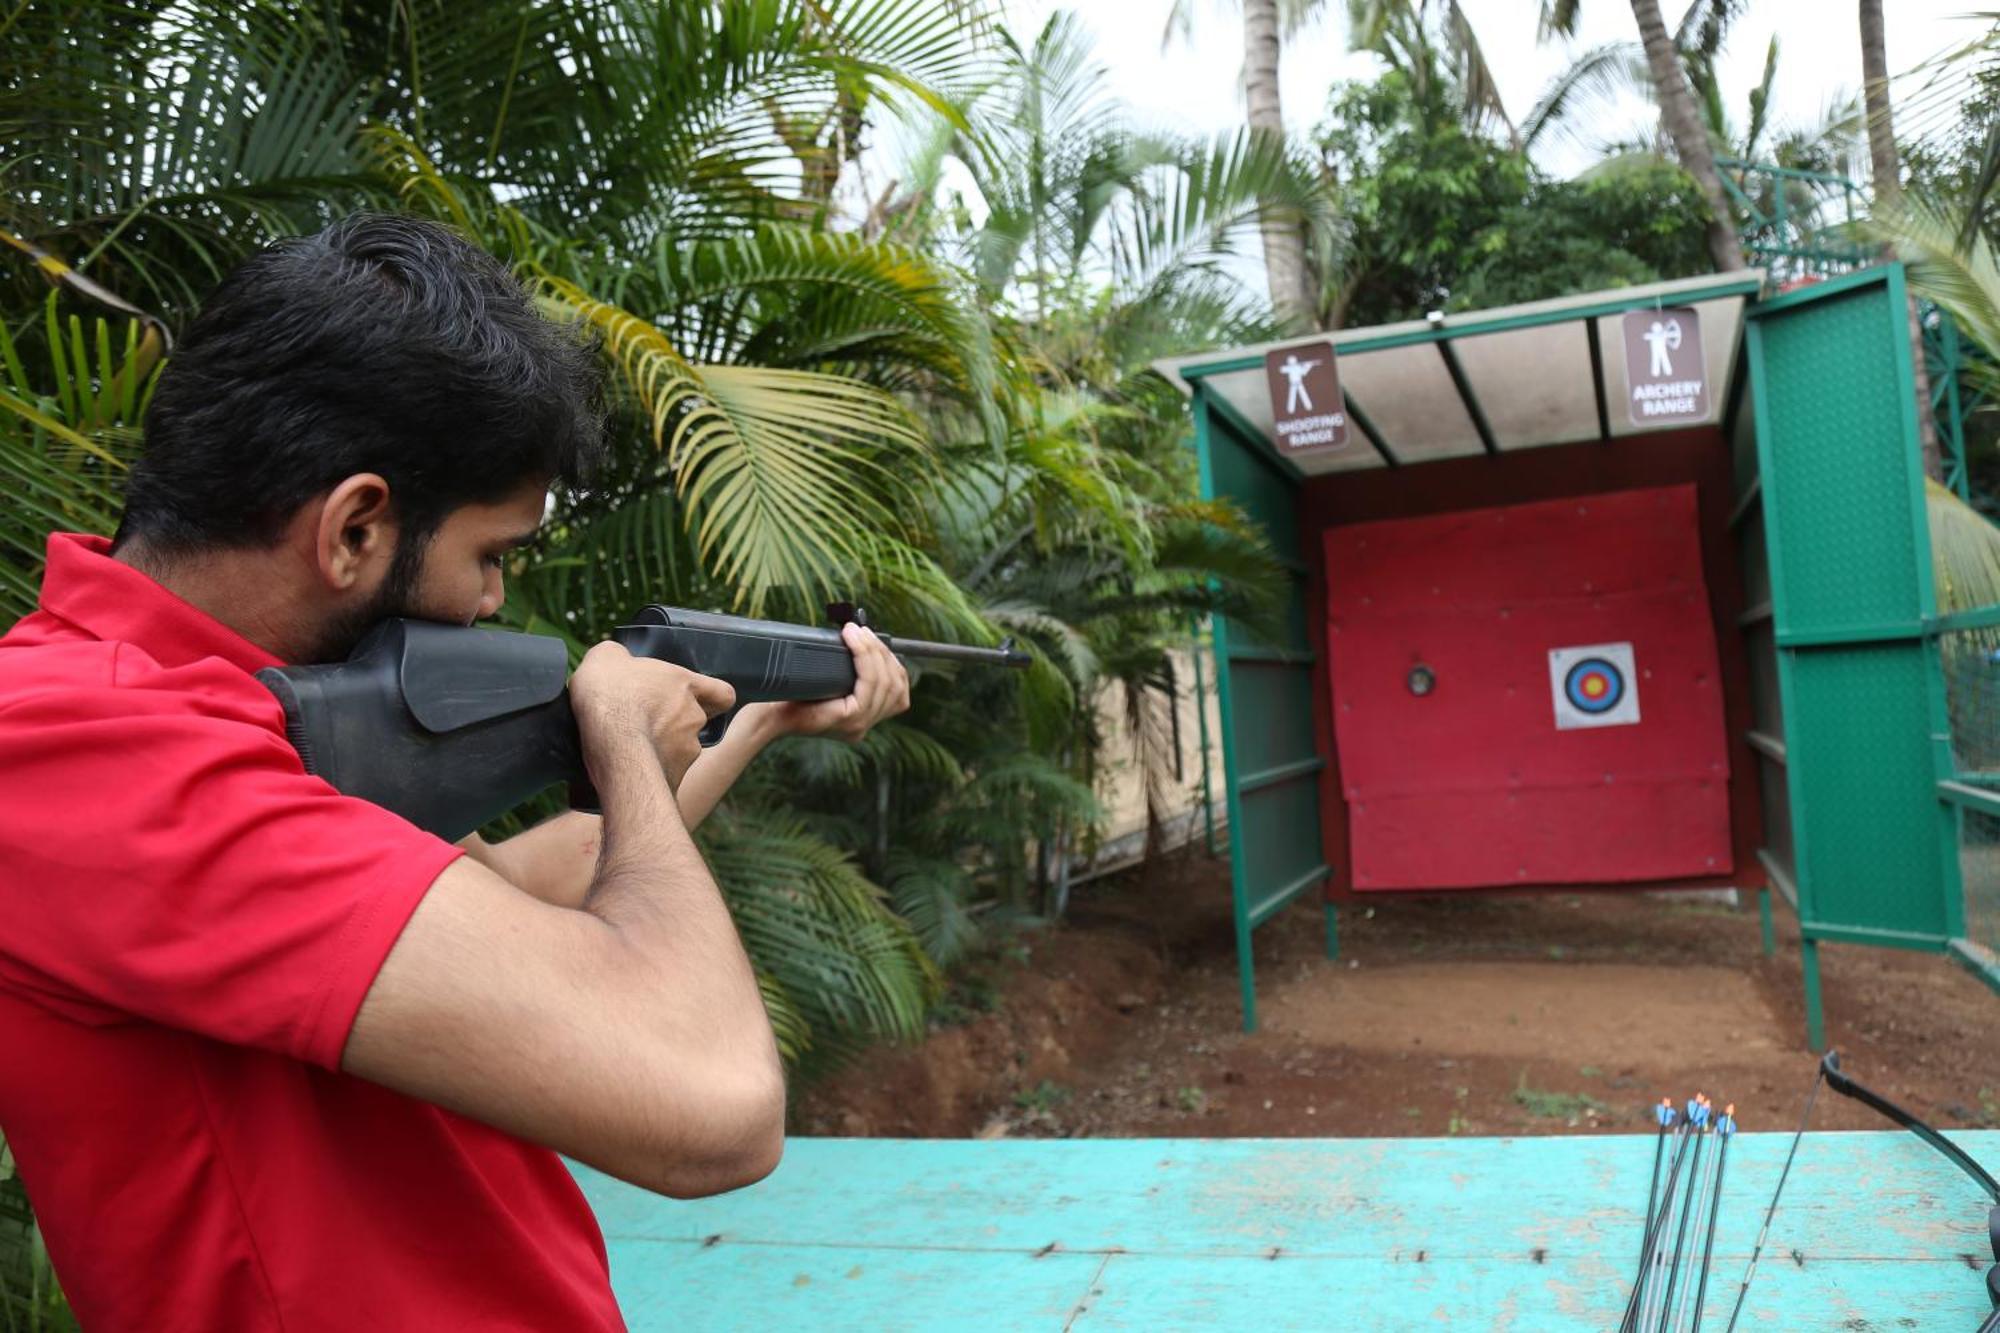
716, 770
553, 861
557, 858
652, 886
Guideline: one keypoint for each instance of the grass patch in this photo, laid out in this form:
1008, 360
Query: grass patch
1550, 1105
1044, 1097
968, 998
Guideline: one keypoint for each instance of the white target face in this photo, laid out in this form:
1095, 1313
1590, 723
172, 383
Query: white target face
1595, 685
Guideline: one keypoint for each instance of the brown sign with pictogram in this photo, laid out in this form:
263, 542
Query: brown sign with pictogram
1308, 415
1666, 375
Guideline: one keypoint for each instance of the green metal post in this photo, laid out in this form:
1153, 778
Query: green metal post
1246, 964
1246, 967
1769, 928
1815, 1019
1201, 717
1332, 932
1946, 408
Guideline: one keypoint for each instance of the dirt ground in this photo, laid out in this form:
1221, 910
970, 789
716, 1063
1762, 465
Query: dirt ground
1468, 1014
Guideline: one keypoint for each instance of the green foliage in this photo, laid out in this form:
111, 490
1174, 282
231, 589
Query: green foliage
1549, 1105
953, 424
1439, 216
1043, 1098
31, 1300
1418, 191
1634, 221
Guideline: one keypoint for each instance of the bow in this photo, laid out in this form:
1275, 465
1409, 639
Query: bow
1833, 1076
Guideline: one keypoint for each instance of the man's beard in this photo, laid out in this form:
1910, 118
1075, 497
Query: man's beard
395, 598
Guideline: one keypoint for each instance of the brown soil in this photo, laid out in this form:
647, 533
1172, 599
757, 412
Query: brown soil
1463, 1014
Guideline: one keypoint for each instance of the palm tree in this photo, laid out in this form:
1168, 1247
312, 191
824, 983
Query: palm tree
1678, 111
1292, 295
1095, 256
1294, 279
1875, 87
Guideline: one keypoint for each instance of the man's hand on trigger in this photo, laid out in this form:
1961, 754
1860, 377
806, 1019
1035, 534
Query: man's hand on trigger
881, 690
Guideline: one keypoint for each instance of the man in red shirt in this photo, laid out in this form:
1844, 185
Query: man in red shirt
272, 1057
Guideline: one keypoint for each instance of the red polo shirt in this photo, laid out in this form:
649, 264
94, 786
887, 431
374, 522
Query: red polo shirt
188, 923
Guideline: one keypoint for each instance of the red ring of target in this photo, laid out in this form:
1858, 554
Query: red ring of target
1594, 685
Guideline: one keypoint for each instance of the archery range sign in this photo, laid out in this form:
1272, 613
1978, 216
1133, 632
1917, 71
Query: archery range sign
1308, 415
1665, 372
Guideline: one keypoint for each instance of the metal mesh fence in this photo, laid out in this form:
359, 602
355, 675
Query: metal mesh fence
1979, 860
1971, 661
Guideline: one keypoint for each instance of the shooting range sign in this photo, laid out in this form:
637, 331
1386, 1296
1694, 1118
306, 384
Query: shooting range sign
1308, 415
1594, 686
1665, 371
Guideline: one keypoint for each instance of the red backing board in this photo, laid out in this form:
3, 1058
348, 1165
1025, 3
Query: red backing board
1473, 785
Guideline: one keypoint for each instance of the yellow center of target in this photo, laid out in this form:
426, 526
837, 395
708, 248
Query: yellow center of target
1594, 686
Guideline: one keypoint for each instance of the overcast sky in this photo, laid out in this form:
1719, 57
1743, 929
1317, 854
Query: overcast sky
1195, 85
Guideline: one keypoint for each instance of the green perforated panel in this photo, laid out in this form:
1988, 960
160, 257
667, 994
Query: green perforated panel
1849, 562
1255, 483
1273, 721
1834, 426
1756, 565
1777, 794
1276, 857
1767, 707
1743, 441
1861, 770
1270, 763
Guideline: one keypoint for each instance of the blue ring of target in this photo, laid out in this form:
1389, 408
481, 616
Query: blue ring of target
1598, 668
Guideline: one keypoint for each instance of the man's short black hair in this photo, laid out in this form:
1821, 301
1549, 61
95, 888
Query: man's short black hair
380, 344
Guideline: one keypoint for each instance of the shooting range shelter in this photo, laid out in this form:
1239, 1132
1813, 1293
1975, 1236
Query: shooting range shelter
1565, 615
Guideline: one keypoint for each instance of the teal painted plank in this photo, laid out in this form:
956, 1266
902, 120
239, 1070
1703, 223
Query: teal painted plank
686, 1288
1143, 1292
1163, 1233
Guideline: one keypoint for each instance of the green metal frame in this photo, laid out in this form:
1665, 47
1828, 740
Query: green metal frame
1474, 327
1835, 479
1792, 237
1847, 539
1271, 860
1255, 901
1946, 357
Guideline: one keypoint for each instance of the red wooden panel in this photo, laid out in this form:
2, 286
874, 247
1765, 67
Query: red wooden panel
1473, 784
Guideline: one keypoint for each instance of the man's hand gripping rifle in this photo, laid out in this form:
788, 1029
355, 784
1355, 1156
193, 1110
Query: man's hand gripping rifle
451, 726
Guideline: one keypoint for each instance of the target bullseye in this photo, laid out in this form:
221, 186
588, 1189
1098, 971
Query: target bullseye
1593, 685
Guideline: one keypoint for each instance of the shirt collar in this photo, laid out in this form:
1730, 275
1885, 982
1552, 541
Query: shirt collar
115, 602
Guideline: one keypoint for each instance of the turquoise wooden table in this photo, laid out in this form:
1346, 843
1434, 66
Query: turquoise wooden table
1875, 1231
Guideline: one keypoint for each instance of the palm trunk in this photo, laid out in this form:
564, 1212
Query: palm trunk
1887, 176
1284, 244
1875, 81
1684, 125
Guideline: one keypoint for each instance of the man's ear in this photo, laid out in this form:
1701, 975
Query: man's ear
355, 540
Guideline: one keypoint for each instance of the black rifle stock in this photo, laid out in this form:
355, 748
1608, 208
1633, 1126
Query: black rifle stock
451, 727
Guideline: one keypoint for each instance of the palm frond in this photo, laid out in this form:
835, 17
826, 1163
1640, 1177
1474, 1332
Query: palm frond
818, 928
1965, 552
773, 467
1964, 281
68, 433
1599, 74
931, 894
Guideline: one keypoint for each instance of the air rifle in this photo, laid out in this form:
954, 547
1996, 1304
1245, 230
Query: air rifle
450, 726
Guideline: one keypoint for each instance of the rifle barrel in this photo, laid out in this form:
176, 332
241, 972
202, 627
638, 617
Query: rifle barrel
1005, 655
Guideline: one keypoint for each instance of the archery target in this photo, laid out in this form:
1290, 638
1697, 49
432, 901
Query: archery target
1594, 685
